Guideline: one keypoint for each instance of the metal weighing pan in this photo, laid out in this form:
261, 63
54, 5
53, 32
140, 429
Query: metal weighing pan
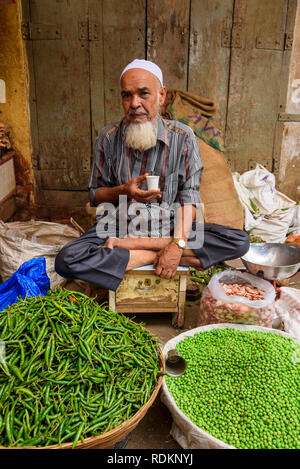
272, 261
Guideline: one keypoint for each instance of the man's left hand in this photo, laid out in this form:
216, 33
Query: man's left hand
127, 243
167, 261
111, 243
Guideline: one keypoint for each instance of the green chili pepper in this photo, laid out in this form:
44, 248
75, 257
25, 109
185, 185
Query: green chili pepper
72, 369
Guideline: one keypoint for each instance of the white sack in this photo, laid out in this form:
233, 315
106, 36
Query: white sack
274, 228
268, 212
21, 241
295, 225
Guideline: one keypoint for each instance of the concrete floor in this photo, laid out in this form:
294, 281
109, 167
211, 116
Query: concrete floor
153, 432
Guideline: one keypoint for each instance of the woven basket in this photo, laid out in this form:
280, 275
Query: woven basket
110, 438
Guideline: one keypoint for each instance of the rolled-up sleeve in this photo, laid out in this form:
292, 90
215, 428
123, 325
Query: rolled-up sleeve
190, 169
101, 173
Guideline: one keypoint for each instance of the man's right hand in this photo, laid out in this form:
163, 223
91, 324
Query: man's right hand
134, 192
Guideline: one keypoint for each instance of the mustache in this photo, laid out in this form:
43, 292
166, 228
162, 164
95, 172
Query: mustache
137, 111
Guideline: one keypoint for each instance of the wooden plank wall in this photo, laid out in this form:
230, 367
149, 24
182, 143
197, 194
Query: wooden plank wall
62, 78
254, 82
168, 39
208, 60
123, 39
208, 47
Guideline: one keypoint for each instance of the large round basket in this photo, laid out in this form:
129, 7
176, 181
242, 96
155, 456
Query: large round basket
108, 439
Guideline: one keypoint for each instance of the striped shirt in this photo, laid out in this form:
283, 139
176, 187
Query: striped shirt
175, 158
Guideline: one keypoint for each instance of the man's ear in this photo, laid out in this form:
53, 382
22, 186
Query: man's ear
162, 95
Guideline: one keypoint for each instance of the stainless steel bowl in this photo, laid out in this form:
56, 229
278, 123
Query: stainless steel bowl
273, 261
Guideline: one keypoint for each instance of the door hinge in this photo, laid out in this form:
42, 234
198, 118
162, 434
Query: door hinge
285, 117
275, 164
267, 163
88, 31
278, 41
41, 31
234, 38
86, 164
35, 159
288, 44
271, 41
271, 164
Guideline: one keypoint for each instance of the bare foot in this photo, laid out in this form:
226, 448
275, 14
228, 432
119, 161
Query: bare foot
140, 258
191, 261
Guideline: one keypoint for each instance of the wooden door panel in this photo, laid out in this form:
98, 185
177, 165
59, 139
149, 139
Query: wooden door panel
255, 81
96, 71
226, 50
62, 92
123, 41
168, 38
209, 59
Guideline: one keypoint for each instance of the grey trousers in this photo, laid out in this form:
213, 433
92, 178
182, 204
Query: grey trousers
82, 258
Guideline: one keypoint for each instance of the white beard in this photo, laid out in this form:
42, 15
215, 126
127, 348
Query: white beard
141, 136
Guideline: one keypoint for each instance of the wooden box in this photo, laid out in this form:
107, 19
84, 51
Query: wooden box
141, 291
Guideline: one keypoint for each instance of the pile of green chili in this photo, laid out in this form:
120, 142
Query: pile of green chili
72, 369
202, 277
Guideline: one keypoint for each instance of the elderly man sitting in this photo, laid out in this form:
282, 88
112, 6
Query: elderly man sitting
143, 143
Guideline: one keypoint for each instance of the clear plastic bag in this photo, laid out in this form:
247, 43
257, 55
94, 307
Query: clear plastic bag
217, 307
288, 310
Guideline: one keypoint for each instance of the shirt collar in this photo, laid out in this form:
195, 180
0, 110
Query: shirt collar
161, 128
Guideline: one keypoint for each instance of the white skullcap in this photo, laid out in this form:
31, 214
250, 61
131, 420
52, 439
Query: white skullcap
145, 65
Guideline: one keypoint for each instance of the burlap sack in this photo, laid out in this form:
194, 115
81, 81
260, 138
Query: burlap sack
196, 112
217, 191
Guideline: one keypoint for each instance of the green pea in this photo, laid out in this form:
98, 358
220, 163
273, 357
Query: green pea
239, 386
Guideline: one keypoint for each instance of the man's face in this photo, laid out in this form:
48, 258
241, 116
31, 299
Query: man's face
142, 95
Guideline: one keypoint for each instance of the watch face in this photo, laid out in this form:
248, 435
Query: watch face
181, 243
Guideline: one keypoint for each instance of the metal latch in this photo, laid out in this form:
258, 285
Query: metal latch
233, 37
41, 31
88, 31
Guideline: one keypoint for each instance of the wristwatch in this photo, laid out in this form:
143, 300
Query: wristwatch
180, 242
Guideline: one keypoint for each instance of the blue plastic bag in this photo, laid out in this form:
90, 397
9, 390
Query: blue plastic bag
30, 279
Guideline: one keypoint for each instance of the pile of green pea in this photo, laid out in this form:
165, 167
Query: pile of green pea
242, 387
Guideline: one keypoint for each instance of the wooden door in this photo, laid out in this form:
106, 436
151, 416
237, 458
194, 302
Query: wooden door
121, 36
257, 80
234, 51
76, 50
168, 39
60, 62
209, 57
